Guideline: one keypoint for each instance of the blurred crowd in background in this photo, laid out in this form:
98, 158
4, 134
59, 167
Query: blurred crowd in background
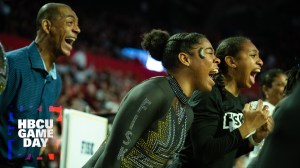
113, 25
107, 28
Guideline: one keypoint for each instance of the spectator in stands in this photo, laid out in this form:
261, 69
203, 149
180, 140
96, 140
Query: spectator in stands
281, 148
272, 85
223, 122
153, 118
33, 83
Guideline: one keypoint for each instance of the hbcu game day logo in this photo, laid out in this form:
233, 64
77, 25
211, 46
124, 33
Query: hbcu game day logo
35, 133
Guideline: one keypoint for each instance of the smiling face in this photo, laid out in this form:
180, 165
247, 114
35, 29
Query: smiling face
276, 92
247, 65
64, 31
204, 65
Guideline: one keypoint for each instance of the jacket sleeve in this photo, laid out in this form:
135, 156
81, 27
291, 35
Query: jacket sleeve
244, 148
12, 86
138, 110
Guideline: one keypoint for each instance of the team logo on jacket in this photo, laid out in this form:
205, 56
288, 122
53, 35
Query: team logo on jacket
232, 120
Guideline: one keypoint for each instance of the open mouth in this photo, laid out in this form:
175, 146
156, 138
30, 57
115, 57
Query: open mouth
253, 75
70, 40
213, 73
255, 72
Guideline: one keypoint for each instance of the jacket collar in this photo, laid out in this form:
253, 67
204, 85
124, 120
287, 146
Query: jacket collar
177, 90
37, 61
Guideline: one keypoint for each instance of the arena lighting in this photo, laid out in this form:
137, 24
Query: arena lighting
143, 57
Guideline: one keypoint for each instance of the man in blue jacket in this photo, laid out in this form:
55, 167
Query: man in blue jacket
33, 83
